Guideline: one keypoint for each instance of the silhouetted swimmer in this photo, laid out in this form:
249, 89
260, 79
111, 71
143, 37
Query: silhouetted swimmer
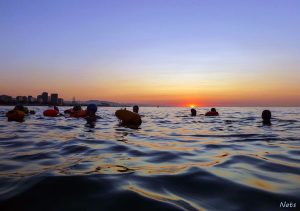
22, 108
56, 108
17, 114
135, 109
266, 116
76, 108
193, 112
91, 116
212, 112
91, 109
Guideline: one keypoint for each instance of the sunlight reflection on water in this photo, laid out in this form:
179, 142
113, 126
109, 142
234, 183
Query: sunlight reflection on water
177, 153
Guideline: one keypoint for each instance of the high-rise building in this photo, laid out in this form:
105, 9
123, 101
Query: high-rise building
54, 99
24, 99
5, 99
45, 97
39, 99
30, 99
19, 99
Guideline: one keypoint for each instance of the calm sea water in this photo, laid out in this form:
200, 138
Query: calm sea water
172, 162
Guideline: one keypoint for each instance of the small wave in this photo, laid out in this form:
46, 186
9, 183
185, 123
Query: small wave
171, 162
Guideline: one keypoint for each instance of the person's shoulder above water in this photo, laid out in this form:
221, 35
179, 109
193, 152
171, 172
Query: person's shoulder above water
212, 112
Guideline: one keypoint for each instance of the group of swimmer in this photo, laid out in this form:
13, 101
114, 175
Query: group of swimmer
212, 112
126, 117
19, 112
266, 115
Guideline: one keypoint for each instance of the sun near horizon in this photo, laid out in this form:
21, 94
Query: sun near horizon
153, 52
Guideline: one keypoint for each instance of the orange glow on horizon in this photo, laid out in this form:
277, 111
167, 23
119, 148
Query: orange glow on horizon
179, 90
192, 105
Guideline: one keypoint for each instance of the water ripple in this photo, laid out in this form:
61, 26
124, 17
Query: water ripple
171, 162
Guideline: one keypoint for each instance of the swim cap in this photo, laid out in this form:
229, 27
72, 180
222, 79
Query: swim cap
266, 115
92, 108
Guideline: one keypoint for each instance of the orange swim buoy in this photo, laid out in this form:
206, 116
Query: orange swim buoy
68, 111
51, 113
128, 117
15, 115
79, 114
212, 113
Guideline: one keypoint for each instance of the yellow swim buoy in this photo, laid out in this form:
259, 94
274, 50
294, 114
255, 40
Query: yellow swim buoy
128, 117
15, 115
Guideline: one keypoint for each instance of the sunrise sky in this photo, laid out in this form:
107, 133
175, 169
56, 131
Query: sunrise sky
160, 52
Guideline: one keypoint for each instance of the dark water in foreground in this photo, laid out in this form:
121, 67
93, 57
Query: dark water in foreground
173, 162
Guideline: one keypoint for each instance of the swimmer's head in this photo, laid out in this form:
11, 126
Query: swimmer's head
135, 109
266, 116
91, 108
213, 110
193, 112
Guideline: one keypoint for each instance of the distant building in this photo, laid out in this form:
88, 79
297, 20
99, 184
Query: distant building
14, 100
60, 101
39, 99
54, 99
24, 99
30, 99
19, 99
5, 99
45, 97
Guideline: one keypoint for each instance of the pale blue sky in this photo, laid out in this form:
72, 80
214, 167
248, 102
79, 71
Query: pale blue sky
131, 40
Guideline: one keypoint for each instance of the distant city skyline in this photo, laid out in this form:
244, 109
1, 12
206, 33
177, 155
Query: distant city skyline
43, 98
173, 52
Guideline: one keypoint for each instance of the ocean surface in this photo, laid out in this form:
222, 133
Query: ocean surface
172, 162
